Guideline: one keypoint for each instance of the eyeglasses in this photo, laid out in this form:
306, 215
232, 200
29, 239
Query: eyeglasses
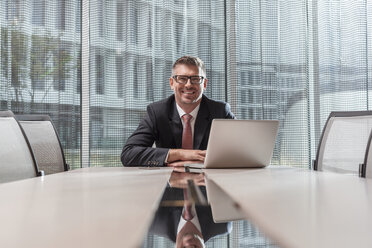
181, 79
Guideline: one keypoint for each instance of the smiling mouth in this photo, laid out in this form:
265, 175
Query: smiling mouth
188, 92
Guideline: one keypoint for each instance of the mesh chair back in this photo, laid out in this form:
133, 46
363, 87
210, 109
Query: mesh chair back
343, 143
366, 167
16, 158
44, 142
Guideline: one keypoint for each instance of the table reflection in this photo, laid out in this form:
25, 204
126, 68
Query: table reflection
181, 218
195, 212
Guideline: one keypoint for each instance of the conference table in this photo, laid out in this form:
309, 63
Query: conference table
302, 208
90, 207
118, 206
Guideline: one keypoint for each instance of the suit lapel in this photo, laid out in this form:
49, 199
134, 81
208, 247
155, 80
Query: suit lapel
175, 124
201, 123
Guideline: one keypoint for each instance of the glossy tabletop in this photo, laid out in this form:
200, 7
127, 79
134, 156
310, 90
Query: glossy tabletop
91, 207
302, 208
119, 207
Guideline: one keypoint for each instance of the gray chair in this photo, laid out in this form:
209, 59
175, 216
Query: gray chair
45, 143
343, 142
16, 158
366, 167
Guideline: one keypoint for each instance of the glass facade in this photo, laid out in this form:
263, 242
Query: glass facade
40, 65
289, 60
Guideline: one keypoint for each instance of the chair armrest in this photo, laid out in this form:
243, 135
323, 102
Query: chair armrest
314, 165
362, 170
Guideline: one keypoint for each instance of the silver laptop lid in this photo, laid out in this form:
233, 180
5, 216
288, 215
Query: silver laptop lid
241, 143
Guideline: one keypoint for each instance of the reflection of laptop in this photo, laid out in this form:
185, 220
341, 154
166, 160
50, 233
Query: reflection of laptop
240, 143
224, 209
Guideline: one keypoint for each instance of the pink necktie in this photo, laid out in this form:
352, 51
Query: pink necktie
187, 206
187, 133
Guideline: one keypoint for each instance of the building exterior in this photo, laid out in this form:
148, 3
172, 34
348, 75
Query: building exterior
262, 57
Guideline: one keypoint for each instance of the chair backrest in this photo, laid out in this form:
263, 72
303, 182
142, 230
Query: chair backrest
343, 142
366, 167
45, 142
16, 157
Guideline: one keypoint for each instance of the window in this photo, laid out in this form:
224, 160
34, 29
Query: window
120, 19
119, 76
78, 73
38, 13
149, 33
39, 62
13, 13
135, 79
100, 17
39, 68
78, 17
61, 17
100, 75
61, 68
149, 80
268, 59
133, 21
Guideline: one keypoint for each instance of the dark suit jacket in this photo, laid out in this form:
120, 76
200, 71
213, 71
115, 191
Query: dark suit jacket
163, 126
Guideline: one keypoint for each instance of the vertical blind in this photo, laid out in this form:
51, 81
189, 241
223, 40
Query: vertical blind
40, 68
293, 60
133, 45
269, 68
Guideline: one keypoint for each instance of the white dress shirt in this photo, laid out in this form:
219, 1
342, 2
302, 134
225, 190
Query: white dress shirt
194, 220
194, 114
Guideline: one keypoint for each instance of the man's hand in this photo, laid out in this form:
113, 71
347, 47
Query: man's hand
196, 156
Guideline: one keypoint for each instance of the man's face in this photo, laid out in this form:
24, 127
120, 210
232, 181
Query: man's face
187, 94
192, 240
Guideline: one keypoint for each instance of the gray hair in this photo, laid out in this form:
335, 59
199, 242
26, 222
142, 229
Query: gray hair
190, 60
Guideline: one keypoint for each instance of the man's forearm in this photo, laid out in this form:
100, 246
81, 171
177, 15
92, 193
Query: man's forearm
174, 155
143, 156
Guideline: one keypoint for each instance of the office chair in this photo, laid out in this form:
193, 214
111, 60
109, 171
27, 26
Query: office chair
365, 169
343, 142
16, 157
45, 143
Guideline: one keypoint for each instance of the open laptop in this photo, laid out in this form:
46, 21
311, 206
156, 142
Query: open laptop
240, 143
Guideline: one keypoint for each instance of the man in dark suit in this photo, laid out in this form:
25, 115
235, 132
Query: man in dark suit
164, 122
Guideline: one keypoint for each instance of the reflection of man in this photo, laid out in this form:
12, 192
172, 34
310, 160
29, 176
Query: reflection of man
189, 229
167, 120
188, 225
179, 179
167, 223
189, 236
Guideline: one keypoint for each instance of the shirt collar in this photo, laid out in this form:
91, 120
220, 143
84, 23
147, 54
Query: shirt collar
194, 220
193, 113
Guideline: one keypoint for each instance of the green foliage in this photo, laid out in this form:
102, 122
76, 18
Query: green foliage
49, 59
18, 52
4, 51
42, 58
